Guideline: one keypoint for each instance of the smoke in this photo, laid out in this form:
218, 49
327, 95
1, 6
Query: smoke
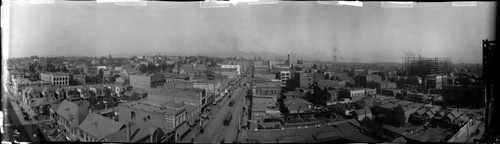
336, 55
410, 54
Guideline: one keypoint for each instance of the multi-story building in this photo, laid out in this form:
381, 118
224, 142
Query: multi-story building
389, 92
55, 78
364, 80
155, 115
285, 76
174, 77
190, 70
292, 60
434, 82
19, 84
230, 70
472, 95
90, 71
95, 128
264, 107
266, 88
392, 108
416, 97
192, 96
306, 80
70, 115
145, 81
37, 99
16, 75
331, 84
351, 93
421, 66
298, 107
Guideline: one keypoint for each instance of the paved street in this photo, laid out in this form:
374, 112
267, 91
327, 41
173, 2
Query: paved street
13, 120
215, 131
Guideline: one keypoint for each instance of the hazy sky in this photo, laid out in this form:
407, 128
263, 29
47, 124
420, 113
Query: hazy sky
312, 30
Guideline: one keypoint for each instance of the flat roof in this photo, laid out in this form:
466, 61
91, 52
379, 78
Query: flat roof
150, 107
56, 73
263, 103
169, 94
343, 130
297, 103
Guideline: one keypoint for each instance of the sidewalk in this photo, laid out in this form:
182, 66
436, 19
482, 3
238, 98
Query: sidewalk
30, 130
465, 137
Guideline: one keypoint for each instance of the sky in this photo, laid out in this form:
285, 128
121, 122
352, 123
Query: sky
313, 31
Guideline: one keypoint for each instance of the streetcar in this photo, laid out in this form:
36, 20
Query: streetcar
231, 103
227, 119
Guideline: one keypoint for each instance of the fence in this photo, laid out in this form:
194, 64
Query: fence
460, 132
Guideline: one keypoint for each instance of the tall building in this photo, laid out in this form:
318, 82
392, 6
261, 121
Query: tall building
284, 76
421, 66
292, 60
145, 81
231, 70
434, 81
306, 80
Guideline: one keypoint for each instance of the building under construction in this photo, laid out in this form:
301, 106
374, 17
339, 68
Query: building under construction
421, 66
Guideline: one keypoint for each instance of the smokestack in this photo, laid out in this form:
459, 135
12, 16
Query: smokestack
289, 61
128, 131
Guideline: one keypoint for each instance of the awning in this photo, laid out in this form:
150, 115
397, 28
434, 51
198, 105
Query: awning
183, 129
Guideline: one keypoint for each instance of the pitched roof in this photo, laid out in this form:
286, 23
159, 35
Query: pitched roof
54, 107
362, 111
450, 117
393, 129
435, 109
137, 133
455, 113
399, 140
129, 70
188, 68
72, 112
429, 114
99, 126
420, 111
39, 102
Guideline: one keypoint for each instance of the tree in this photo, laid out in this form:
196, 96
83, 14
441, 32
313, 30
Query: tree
398, 116
64, 69
31, 68
319, 97
360, 104
292, 83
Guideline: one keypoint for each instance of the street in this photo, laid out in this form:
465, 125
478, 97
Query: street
13, 122
214, 130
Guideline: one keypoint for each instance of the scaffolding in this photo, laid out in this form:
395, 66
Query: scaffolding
490, 76
421, 66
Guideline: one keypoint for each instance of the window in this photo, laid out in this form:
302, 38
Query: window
132, 115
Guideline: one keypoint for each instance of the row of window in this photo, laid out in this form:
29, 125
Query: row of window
60, 78
266, 92
60, 83
357, 94
74, 130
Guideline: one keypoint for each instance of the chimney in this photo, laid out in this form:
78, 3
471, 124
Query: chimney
128, 131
